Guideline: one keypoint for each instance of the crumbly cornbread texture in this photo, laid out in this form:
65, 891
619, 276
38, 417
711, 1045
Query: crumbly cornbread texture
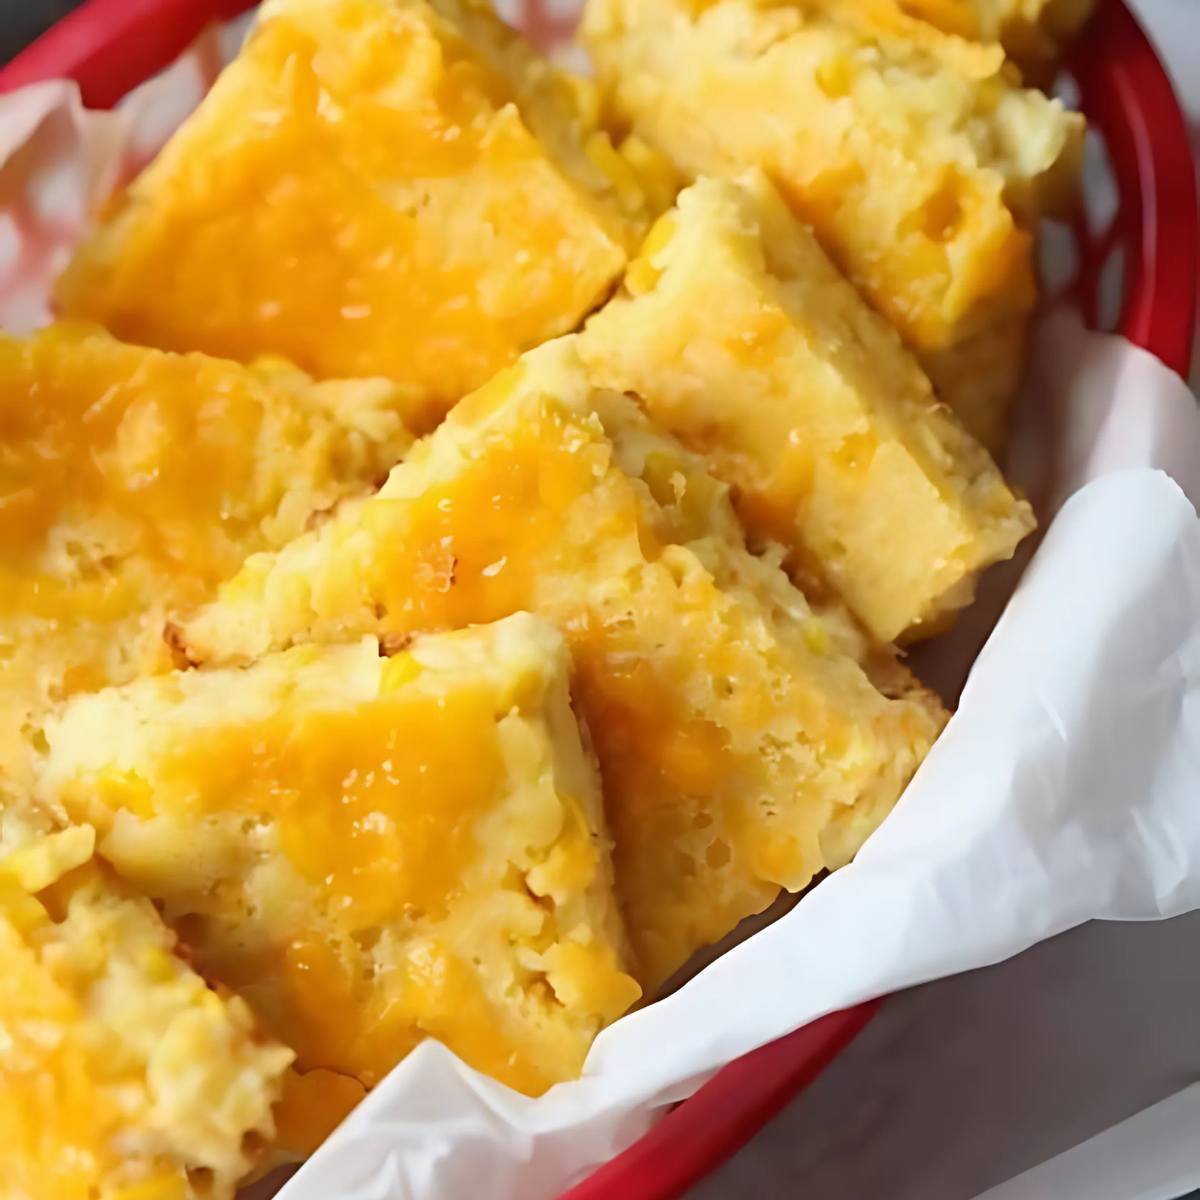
373, 187
122, 1076
741, 338
916, 157
745, 740
370, 850
135, 481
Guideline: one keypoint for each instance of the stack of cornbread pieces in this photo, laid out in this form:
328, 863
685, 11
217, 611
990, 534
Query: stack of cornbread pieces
457, 540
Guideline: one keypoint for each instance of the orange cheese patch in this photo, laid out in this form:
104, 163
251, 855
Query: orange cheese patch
371, 851
121, 1074
917, 158
374, 187
737, 729
133, 481
739, 336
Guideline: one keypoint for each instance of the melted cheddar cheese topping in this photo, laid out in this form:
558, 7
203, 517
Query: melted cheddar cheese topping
122, 1076
741, 337
133, 481
916, 157
745, 740
370, 850
373, 187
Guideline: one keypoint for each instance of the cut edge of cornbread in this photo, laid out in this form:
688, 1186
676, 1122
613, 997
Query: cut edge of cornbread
739, 336
627, 182
918, 158
125, 1075
1039, 173
466, 870
650, 581
141, 477
702, 545
982, 376
504, 216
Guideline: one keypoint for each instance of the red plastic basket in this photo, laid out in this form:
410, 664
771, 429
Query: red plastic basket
111, 46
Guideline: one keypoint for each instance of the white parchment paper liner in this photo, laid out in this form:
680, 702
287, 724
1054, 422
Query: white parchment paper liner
1066, 787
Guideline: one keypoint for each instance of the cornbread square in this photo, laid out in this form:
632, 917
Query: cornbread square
374, 187
1033, 32
370, 850
133, 481
915, 156
742, 339
122, 1075
745, 740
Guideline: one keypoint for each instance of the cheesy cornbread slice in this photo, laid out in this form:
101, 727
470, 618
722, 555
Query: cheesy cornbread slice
370, 850
122, 1076
133, 481
915, 156
741, 338
1033, 32
373, 187
745, 740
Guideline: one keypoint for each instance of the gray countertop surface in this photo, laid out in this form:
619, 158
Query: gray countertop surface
22, 20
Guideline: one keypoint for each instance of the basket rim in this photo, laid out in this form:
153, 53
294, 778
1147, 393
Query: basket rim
1124, 89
